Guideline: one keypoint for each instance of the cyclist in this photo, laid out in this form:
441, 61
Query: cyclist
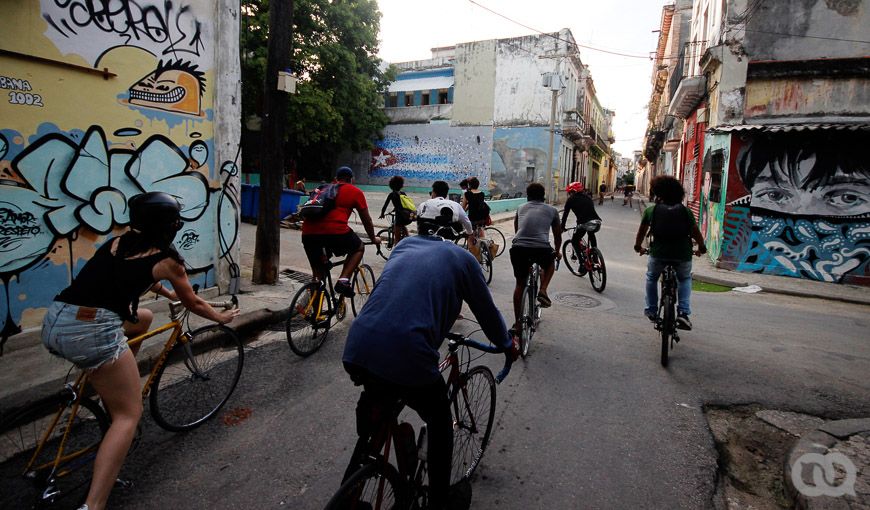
673, 228
583, 208
332, 233
398, 359
531, 244
474, 203
87, 322
402, 215
439, 200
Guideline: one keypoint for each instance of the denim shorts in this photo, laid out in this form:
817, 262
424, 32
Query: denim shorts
88, 337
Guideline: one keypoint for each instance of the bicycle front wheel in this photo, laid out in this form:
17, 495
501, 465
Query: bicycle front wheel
386, 235
668, 325
473, 405
571, 259
309, 321
29, 479
598, 273
197, 378
375, 486
363, 283
497, 237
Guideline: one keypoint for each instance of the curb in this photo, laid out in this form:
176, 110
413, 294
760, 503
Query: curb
820, 442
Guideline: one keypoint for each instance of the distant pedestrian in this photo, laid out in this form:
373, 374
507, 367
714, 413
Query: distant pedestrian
601, 190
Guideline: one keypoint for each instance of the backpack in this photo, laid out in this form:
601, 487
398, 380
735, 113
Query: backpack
670, 222
320, 203
407, 203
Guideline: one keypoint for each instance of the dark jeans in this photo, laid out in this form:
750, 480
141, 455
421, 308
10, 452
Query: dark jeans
578, 235
378, 400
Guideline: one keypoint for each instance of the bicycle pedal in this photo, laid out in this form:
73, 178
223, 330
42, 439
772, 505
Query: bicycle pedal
123, 484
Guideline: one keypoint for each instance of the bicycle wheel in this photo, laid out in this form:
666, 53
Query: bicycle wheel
571, 259
526, 323
363, 283
197, 378
473, 405
598, 273
486, 263
27, 483
310, 319
375, 486
497, 237
668, 325
386, 235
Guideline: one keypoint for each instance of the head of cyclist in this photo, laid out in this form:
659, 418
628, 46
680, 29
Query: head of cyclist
667, 189
397, 182
535, 192
344, 174
440, 189
155, 219
575, 187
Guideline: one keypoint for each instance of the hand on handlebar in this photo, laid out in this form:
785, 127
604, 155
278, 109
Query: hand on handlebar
513, 353
228, 315
640, 249
376, 240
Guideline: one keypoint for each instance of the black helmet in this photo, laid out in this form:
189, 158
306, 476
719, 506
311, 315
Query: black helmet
155, 211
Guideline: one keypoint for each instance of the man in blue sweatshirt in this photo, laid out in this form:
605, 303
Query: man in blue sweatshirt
392, 346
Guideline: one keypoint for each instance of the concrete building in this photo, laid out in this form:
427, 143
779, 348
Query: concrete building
99, 108
484, 109
776, 101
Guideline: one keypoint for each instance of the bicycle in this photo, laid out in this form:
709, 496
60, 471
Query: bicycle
386, 235
530, 309
586, 259
316, 304
44, 445
490, 232
379, 484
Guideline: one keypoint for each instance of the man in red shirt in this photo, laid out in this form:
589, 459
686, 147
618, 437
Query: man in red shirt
331, 235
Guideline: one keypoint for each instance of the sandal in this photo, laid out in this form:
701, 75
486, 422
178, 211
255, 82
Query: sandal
544, 301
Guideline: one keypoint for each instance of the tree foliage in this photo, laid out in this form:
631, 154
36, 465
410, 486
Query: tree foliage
338, 100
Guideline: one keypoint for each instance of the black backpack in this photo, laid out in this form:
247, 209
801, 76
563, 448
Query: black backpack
321, 202
670, 222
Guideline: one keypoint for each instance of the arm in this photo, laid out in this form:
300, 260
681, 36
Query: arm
641, 233
464, 203
366, 219
565, 213
477, 295
557, 234
386, 203
463, 218
160, 290
168, 269
698, 238
516, 221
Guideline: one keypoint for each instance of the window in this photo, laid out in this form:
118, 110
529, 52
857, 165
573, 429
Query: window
443, 96
717, 162
394, 100
425, 100
409, 99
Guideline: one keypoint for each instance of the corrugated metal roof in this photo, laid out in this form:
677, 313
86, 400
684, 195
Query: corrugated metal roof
775, 128
430, 83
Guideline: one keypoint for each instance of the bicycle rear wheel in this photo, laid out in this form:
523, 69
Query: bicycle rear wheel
527, 322
496, 236
375, 486
386, 235
668, 325
598, 273
310, 319
197, 378
473, 406
27, 483
363, 283
486, 262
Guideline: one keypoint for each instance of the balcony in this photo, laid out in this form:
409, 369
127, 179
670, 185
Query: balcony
573, 126
687, 96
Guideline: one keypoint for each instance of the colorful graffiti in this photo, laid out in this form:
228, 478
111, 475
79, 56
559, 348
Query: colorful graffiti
174, 86
801, 207
422, 153
519, 156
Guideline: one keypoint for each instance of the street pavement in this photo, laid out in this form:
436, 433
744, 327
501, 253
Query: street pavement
589, 420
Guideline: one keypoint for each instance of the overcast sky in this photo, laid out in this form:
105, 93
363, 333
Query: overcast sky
410, 28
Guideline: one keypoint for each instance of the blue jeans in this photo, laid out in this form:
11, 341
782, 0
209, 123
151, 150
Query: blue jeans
654, 269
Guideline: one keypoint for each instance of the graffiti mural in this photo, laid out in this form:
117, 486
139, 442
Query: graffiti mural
422, 153
519, 156
801, 207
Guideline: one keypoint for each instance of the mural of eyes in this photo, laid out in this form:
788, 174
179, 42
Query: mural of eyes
847, 199
174, 86
776, 196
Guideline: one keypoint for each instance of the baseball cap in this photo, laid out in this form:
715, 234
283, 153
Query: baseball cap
344, 172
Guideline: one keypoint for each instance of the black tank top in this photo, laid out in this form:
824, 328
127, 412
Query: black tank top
475, 206
112, 282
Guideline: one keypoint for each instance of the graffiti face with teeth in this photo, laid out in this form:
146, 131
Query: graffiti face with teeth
173, 86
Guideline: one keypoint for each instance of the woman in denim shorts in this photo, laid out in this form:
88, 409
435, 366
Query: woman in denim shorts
89, 322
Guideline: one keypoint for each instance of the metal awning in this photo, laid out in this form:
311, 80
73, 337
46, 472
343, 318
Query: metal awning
783, 128
414, 84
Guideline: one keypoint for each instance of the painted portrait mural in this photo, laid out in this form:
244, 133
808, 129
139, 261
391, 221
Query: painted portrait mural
103, 101
800, 206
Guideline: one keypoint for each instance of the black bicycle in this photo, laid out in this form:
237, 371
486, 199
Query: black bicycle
388, 240
316, 304
530, 309
585, 258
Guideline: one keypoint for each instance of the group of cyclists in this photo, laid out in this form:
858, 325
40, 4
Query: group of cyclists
424, 284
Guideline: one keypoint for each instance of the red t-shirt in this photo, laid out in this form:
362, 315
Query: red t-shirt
335, 222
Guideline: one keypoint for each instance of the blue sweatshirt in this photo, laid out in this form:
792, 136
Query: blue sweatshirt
412, 308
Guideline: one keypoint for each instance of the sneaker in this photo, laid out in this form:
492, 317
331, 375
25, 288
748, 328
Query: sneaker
650, 315
544, 301
683, 322
344, 288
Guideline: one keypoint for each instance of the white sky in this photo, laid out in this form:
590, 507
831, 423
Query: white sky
410, 28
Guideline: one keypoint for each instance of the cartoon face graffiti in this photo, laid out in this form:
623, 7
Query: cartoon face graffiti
174, 86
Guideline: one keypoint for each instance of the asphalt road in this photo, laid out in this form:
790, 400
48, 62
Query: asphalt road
589, 420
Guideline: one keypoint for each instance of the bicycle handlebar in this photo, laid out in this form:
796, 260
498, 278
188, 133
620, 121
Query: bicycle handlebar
177, 307
463, 340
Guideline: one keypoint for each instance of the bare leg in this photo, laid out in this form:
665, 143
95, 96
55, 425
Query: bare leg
545, 279
352, 261
132, 330
518, 302
117, 383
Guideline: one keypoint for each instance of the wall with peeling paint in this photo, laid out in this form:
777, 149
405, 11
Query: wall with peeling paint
521, 99
96, 108
475, 83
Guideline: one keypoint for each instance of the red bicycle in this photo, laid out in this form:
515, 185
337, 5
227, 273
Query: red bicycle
586, 259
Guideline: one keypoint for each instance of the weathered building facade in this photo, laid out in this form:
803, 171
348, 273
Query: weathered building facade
99, 105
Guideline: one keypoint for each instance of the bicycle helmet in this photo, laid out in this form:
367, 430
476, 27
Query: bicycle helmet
575, 187
155, 212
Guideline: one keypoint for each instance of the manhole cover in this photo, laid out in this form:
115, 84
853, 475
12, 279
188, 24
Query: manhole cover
576, 300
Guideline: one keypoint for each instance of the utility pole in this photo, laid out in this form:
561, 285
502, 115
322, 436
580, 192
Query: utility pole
551, 199
267, 249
